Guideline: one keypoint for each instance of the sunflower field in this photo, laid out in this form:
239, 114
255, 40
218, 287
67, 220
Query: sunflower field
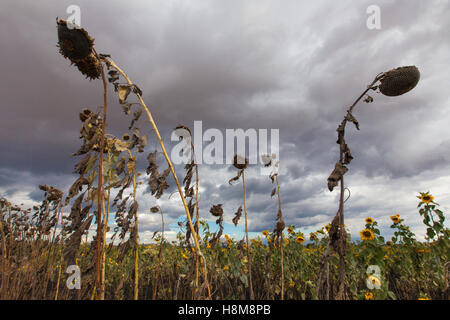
376, 268
84, 243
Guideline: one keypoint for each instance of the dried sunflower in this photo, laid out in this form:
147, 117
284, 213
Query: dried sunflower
399, 81
77, 46
240, 162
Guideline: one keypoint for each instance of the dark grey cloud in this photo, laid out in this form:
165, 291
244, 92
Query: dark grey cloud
295, 67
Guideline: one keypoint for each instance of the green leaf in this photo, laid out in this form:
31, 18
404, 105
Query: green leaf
244, 280
391, 295
430, 233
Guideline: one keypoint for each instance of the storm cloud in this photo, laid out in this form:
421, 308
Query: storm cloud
294, 65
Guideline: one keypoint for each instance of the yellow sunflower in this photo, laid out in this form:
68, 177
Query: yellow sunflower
396, 218
368, 295
300, 239
367, 234
375, 281
290, 230
369, 220
427, 198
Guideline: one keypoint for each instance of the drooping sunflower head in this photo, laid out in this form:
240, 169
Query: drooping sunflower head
265, 233
300, 239
367, 234
290, 230
76, 45
369, 220
427, 198
399, 81
240, 162
216, 210
396, 218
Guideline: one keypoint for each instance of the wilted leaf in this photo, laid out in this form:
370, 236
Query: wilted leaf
336, 175
237, 216
120, 145
136, 116
123, 92
237, 177
273, 192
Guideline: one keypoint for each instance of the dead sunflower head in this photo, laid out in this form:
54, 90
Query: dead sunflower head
240, 162
216, 210
77, 46
367, 234
399, 81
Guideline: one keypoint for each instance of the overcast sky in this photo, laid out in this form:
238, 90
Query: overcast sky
293, 65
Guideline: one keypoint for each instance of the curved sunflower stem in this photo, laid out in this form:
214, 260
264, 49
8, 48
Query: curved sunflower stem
342, 150
169, 162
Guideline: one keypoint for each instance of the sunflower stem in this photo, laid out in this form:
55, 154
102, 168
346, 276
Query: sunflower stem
169, 162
